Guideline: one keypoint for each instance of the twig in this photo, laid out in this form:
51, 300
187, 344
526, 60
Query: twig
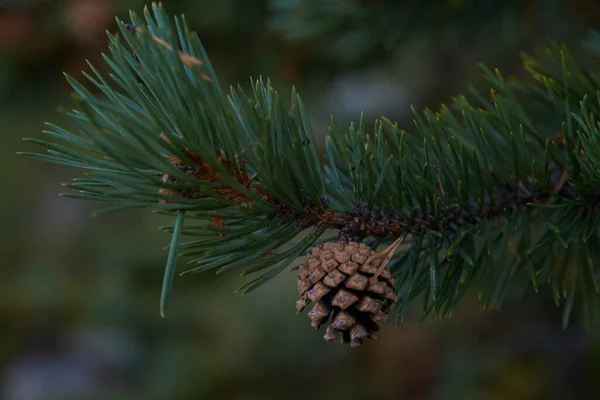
186, 59
561, 182
558, 186
513, 250
386, 254
439, 179
524, 189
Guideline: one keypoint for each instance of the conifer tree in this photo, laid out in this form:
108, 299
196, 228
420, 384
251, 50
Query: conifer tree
495, 191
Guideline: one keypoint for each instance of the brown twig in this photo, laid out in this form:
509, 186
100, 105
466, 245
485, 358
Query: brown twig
557, 139
524, 189
187, 59
560, 184
386, 254
513, 250
439, 179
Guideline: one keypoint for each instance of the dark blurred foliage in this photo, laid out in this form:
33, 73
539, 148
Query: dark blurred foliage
79, 296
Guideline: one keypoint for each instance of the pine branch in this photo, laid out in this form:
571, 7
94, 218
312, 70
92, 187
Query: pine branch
360, 223
483, 179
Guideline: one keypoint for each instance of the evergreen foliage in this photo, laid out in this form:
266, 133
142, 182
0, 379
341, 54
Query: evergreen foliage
497, 190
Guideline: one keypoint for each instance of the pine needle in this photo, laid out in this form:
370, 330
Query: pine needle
171, 262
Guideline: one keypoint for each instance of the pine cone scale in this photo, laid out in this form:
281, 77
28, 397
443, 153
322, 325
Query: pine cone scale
334, 278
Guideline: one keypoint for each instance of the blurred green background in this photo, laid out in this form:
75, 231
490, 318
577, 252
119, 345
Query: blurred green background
79, 296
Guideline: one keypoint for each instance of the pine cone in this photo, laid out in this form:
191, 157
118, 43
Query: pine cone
337, 279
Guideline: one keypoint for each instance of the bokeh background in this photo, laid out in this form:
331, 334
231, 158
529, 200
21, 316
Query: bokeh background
79, 295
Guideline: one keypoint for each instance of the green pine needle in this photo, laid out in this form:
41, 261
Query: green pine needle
171, 262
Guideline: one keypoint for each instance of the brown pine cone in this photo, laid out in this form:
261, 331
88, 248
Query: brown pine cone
336, 277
